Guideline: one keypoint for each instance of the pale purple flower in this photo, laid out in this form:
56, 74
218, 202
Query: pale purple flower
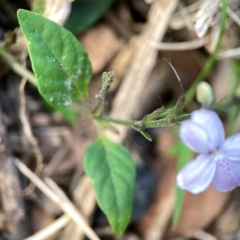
218, 162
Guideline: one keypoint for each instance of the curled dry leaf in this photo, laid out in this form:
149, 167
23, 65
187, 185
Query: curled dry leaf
57, 10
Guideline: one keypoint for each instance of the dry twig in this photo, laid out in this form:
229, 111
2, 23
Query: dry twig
66, 206
182, 46
204, 16
56, 159
176, 20
51, 229
231, 53
28, 134
85, 198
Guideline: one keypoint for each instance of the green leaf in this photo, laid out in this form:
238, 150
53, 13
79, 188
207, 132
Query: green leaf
146, 135
154, 115
184, 154
60, 63
85, 13
112, 171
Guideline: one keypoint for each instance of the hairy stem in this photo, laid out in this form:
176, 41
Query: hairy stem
149, 124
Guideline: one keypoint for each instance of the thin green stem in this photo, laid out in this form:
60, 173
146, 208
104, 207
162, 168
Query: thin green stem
233, 112
16, 67
211, 60
149, 124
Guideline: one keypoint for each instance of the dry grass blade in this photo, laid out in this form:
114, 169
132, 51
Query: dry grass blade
57, 158
204, 16
177, 22
231, 53
57, 189
233, 15
66, 206
17, 67
181, 46
51, 229
28, 134
186, 18
84, 198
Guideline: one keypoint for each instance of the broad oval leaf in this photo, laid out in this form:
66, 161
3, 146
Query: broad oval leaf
59, 62
112, 171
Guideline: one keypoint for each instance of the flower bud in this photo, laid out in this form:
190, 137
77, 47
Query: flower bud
204, 94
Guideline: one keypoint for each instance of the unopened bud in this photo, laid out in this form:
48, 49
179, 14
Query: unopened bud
204, 94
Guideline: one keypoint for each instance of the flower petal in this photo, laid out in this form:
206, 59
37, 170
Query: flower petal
231, 147
195, 137
227, 175
197, 175
212, 125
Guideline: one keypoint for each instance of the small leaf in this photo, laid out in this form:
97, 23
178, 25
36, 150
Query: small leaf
154, 115
177, 109
60, 63
179, 105
146, 135
85, 13
112, 171
140, 128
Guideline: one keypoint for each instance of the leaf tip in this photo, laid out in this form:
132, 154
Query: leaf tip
20, 12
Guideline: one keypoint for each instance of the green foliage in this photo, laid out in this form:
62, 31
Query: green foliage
177, 109
184, 154
62, 70
234, 110
60, 64
112, 171
85, 13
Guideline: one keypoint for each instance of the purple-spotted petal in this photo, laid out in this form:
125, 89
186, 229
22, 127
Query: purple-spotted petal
231, 147
195, 137
212, 125
197, 175
227, 175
